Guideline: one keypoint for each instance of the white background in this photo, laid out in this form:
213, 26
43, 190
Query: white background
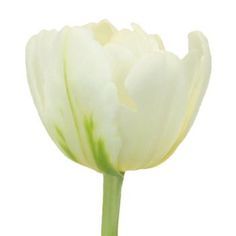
42, 193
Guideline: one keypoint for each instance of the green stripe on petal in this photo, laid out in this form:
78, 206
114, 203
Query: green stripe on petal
98, 149
68, 152
59, 134
63, 145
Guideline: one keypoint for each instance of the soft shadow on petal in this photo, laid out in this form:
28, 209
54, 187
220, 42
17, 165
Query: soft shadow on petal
121, 61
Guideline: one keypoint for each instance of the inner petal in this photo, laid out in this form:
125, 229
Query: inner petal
137, 41
121, 60
102, 31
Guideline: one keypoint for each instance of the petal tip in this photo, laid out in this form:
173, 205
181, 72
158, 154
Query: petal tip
198, 41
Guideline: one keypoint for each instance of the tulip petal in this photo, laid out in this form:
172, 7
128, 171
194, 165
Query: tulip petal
137, 41
92, 90
63, 86
44, 60
154, 41
157, 85
102, 31
121, 60
197, 65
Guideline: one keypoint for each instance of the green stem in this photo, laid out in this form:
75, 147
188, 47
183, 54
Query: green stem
111, 204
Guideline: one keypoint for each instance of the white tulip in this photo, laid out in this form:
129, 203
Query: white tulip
116, 100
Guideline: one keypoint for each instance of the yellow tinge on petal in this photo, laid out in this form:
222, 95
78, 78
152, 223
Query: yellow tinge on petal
102, 31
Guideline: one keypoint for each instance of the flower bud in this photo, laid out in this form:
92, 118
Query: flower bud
115, 100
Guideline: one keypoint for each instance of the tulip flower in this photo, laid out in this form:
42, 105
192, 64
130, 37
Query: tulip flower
115, 100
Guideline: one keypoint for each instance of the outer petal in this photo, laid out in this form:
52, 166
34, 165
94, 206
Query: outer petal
197, 66
65, 70
94, 96
157, 85
44, 60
